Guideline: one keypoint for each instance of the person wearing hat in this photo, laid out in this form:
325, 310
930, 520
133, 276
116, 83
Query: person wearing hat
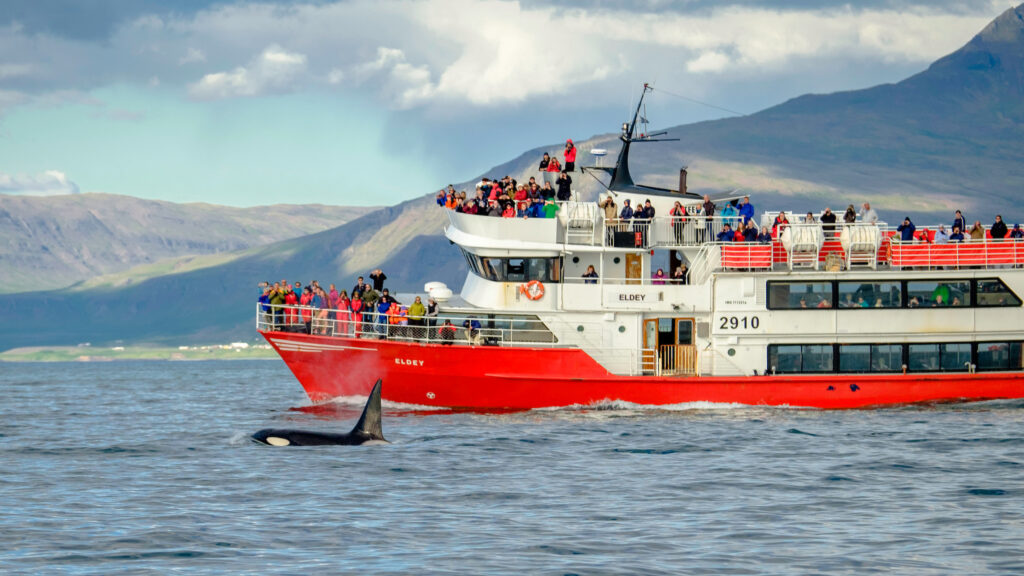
906, 230
1016, 233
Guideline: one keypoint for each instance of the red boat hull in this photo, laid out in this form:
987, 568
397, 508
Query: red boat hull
486, 377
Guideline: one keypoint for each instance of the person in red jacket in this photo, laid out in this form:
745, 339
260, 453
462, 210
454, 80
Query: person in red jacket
307, 308
291, 313
570, 156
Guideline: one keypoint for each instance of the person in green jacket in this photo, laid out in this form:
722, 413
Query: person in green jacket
276, 301
416, 314
550, 208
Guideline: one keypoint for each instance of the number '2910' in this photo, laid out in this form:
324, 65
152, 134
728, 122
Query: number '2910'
739, 323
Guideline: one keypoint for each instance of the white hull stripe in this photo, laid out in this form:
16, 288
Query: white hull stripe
294, 346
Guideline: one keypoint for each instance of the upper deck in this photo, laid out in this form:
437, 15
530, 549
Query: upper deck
582, 227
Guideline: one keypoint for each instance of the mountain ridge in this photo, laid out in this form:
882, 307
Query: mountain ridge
49, 242
908, 147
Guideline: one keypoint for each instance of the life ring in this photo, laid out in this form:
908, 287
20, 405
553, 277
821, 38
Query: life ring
533, 289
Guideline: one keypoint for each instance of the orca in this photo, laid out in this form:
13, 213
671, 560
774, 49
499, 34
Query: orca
367, 430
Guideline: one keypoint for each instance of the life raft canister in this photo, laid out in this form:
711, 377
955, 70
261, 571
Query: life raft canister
533, 289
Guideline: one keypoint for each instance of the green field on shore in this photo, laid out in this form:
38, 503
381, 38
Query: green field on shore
103, 354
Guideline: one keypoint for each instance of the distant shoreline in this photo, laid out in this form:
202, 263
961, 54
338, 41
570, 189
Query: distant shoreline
133, 353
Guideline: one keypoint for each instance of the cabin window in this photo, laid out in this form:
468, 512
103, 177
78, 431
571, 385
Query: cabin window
886, 357
999, 356
939, 357
798, 295
515, 270
855, 358
787, 359
545, 270
955, 357
870, 295
923, 358
930, 294
870, 357
993, 292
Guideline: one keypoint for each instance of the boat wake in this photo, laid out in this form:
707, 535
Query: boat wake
607, 405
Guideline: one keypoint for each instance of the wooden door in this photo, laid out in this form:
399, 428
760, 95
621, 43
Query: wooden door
634, 269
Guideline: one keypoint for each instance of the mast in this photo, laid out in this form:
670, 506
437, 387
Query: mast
621, 179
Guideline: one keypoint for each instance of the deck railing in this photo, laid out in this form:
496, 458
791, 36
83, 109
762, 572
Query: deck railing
467, 329
989, 253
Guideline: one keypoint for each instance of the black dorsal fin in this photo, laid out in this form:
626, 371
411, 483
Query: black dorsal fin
369, 422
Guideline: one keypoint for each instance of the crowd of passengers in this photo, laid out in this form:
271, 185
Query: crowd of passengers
368, 310
508, 198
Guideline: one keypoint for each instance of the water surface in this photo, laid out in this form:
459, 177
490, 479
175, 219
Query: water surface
145, 467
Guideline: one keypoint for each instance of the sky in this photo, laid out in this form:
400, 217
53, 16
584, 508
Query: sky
371, 102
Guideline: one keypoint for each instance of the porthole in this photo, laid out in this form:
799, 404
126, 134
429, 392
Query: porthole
579, 328
575, 259
616, 260
622, 329
731, 352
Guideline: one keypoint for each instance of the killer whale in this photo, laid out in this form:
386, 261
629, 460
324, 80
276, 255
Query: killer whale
367, 430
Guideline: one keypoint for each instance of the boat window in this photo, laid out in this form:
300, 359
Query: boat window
515, 270
999, 356
993, 292
955, 357
870, 294
923, 357
930, 294
797, 295
854, 358
785, 359
886, 357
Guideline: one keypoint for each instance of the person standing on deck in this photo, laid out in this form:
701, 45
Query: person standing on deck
709, 213
868, 214
998, 229
746, 210
570, 156
378, 277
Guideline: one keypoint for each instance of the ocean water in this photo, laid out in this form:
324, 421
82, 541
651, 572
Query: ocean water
145, 468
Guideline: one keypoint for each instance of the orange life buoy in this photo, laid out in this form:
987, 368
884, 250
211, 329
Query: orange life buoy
533, 289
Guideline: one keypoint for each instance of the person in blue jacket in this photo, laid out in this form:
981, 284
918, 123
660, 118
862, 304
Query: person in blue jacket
726, 235
627, 211
746, 210
382, 311
906, 230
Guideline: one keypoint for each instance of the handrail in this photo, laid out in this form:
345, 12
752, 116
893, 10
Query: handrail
499, 331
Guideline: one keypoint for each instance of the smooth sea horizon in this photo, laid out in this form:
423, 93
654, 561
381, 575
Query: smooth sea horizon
147, 468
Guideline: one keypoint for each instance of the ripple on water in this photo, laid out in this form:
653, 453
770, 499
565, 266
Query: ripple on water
148, 468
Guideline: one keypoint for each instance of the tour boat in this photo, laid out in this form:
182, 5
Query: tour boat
844, 316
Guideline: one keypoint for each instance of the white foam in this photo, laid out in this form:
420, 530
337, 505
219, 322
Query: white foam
622, 405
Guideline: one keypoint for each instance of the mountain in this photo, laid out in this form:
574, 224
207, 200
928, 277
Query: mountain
54, 241
214, 298
949, 137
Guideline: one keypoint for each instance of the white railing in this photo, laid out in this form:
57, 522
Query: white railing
990, 253
443, 329
708, 259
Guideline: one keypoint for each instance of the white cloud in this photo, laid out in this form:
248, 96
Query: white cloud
708, 62
13, 70
274, 70
490, 53
335, 76
192, 55
48, 183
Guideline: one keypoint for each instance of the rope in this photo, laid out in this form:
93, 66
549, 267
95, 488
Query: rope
688, 99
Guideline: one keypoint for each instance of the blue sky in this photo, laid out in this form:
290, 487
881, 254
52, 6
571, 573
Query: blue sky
371, 102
